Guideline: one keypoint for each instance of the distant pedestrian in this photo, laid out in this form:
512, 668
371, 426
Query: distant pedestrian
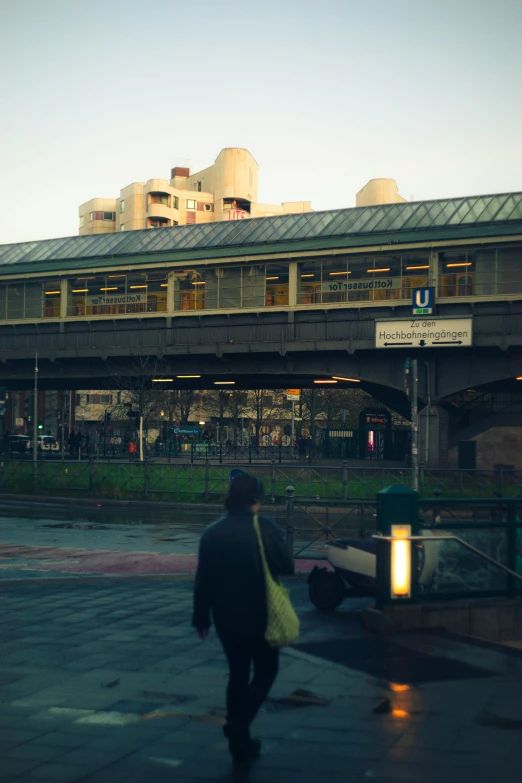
302, 447
72, 444
231, 589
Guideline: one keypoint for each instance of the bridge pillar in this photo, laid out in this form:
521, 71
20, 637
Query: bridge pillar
433, 436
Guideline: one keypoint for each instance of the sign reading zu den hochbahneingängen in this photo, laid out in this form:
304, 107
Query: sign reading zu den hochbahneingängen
424, 333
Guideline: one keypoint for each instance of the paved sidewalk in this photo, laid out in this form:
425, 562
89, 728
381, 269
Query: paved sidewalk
103, 680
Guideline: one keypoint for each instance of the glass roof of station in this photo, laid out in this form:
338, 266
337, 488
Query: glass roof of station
388, 223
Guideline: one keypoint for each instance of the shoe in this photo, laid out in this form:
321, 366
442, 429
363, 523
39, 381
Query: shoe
240, 745
245, 751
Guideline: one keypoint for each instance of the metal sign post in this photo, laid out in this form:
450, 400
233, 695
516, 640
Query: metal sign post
292, 395
35, 411
414, 427
141, 438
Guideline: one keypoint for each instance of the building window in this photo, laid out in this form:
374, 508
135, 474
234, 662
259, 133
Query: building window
175, 202
81, 221
97, 399
122, 205
91, 216
109, 216
159, 198
122, 227
191, 204
199, 186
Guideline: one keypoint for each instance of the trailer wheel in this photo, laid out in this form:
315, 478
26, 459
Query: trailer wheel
327, 590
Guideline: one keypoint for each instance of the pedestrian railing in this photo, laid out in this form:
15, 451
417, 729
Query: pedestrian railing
207, 481
446, 549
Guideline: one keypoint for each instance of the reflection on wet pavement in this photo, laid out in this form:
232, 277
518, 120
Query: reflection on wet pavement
48, 539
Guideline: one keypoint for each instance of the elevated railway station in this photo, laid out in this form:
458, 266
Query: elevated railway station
282, 301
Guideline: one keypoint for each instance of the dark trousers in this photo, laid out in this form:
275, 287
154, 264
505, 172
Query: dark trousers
245, 697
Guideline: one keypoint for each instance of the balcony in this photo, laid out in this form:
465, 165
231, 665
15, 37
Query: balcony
159, 211
158, 222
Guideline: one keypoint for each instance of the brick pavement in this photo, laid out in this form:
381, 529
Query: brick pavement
103, 681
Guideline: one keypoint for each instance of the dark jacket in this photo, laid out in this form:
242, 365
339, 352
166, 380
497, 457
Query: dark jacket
230, 583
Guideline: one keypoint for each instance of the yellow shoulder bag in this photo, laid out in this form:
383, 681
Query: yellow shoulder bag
283, 623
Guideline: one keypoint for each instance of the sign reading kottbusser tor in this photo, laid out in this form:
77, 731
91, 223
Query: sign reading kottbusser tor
424, 333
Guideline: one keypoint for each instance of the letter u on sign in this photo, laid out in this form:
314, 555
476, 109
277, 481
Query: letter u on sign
423, 299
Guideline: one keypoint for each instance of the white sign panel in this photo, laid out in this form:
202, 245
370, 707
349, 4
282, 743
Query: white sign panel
424, 333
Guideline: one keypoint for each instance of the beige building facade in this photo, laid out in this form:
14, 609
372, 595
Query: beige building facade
228, 190
378, 191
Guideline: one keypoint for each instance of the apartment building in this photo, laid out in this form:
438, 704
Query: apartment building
228, 190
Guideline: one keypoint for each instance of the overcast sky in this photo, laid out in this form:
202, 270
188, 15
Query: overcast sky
325, 95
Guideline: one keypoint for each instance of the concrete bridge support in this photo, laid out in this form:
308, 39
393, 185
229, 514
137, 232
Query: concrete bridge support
433, 436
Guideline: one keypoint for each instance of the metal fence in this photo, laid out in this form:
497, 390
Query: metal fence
203, 481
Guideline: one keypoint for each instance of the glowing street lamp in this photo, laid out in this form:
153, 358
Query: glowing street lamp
400, 561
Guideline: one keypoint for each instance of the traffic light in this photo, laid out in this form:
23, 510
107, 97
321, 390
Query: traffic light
133, 414
29, 409
40, 424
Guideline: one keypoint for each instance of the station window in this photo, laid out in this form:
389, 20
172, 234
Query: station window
117, 294
368, 278
32, 300
231, 287
276, 284
456, 273
486, 271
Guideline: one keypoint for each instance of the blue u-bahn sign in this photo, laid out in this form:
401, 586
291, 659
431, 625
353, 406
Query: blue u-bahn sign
423, 301
186, 430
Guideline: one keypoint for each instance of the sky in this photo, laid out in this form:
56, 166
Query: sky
325, 95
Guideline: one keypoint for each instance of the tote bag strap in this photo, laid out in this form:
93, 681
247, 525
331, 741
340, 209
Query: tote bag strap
261, 545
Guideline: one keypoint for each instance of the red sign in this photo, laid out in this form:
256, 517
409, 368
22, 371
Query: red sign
236, 214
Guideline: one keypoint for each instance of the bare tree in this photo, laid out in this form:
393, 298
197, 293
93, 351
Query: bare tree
216, 403
137, 390
263, 405
184, 402
225, 406
237, 409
